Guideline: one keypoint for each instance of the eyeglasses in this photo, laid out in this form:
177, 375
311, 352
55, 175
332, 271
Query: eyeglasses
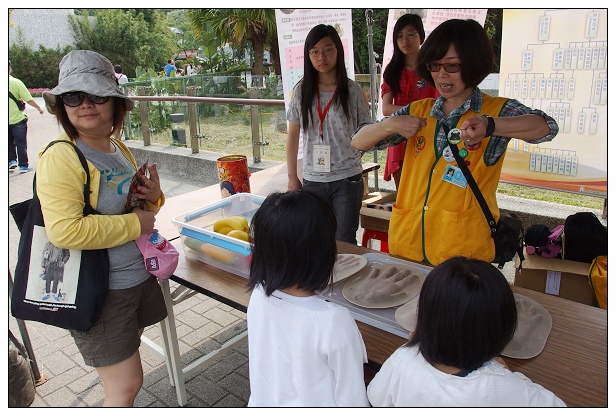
408, 36
436, 67
74, 99
327, 52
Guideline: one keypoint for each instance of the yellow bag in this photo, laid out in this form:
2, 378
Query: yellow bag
597, 277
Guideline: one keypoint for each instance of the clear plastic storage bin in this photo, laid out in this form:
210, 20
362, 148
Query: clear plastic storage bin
202, 243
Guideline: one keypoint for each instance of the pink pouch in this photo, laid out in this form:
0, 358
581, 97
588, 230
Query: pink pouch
159, 255
552, 246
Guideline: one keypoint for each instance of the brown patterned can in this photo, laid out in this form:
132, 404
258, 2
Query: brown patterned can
233, 175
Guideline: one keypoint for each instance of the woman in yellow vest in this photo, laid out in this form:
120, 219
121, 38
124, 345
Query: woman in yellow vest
436, 215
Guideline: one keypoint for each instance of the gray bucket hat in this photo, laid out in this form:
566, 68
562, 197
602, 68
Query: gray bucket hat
89, 72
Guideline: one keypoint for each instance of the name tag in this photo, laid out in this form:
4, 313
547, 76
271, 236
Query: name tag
321, 158
454, 175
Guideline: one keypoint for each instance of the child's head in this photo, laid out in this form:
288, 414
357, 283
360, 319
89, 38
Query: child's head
466, 314
315, 35
412, 20
294, 242
310, 82
471, 43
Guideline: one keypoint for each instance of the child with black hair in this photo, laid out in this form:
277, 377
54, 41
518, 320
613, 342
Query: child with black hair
466, 316
303, 350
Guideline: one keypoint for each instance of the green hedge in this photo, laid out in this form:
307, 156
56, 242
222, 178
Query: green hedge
37, 69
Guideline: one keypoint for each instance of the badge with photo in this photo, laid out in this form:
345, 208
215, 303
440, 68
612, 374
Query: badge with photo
455, 176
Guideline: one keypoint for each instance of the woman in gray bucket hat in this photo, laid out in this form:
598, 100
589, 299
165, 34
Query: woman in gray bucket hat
90, 109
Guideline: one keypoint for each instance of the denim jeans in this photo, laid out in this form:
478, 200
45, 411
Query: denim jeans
18, 144
345, 196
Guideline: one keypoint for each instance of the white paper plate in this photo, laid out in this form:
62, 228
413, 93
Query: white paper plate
347, 265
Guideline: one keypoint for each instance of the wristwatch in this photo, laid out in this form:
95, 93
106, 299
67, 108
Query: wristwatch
491, 126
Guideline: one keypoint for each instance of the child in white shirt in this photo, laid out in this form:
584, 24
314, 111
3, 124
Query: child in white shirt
303, 350
466, 316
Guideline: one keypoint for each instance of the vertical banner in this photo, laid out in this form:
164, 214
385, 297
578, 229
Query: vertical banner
556, 60
293, 25
431, 18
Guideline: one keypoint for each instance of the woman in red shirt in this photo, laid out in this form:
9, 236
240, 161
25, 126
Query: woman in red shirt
401, 84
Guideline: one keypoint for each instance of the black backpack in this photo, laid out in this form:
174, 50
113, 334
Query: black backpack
585, 237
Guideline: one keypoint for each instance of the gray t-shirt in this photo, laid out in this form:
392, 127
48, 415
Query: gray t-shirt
126, 267
345, 160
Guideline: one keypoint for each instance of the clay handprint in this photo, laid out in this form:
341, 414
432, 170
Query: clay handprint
384, 286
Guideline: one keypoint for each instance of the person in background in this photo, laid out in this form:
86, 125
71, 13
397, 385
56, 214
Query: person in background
466, 316
90, 109
170, 67
189, 69
327, 107
401, 84
18, 124
303, 350
433, 217
122, 79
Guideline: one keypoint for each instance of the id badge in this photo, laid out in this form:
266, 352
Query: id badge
455, 176
321, 158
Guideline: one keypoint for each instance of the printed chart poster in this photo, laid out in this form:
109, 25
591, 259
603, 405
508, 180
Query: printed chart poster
556, 61
293, 26
431, 18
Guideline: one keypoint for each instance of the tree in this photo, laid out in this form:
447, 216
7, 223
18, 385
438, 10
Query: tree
187, 39
360, 37
272, 44
236, 26
494, 29
129, 37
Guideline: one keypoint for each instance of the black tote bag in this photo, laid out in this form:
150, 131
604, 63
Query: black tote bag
59, 287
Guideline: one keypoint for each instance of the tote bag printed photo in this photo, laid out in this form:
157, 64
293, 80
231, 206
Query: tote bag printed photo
53, 274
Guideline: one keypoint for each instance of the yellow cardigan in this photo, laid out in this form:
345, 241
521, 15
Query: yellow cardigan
60, 179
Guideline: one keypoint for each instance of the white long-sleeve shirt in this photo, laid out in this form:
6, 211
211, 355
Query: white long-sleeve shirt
303, 352
406, 379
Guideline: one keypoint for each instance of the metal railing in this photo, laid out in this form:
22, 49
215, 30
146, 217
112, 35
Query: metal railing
192, 100
194, 96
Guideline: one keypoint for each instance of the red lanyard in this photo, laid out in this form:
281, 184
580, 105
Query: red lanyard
322, 114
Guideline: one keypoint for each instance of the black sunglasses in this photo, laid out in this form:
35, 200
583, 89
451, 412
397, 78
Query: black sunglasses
436, 67
73, 99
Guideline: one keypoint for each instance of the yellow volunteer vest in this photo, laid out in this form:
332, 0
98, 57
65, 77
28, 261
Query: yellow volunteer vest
597, 276
434, 219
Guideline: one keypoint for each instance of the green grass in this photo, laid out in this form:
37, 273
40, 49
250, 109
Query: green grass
539, 194
231, 134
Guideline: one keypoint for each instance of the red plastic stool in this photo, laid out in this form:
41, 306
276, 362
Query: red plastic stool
377, 235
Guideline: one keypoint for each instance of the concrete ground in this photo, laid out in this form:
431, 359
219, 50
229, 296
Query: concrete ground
203, 324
